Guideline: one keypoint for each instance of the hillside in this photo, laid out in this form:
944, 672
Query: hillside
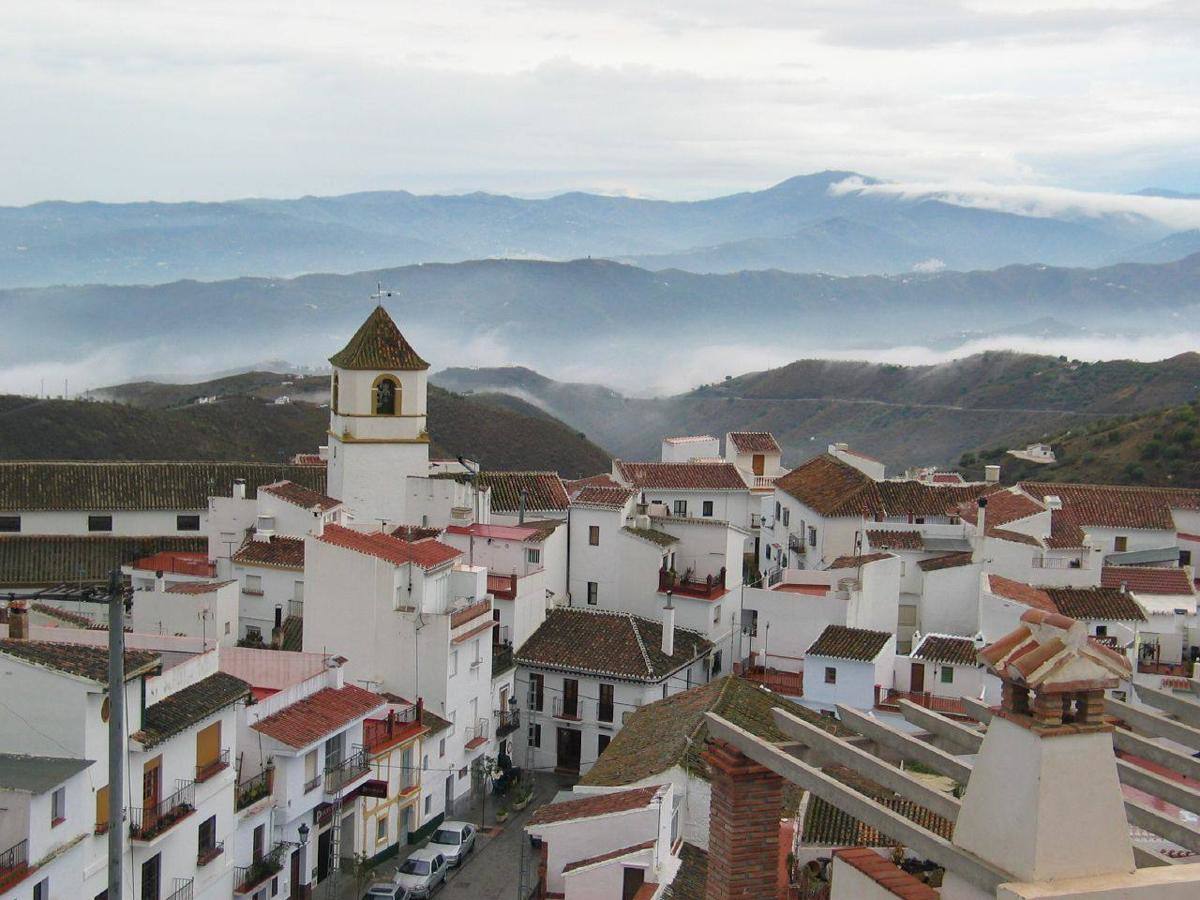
906, 415
245, 427
824, 222
1157, 448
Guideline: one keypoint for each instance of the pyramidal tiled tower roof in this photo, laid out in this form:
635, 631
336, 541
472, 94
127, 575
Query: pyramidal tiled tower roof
378, 344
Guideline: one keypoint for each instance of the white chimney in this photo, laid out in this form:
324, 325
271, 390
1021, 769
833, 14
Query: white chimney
642, 522
991, 474
1053, 502
239, 489
264, 528
668, 628
160, 583
318, 528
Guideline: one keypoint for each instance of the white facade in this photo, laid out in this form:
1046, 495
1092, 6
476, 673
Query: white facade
829, 680
208, 611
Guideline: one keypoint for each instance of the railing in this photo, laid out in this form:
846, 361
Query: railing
470, 612
1057, 562
566, 708
209, 769
313, 783
502, 658
379, 733
253, 789
296, 608
14, 859
779, 681
712, 584
147, 823
477, 734
247, 878
183, 889
207, 854
502, 587
507, 721
341, 772
892, 697
762, 482
795, 544
756, 520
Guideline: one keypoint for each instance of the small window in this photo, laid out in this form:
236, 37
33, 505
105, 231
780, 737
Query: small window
830, 675
777, 509
10, 524
442, 747
947, 674
102, 810
706, 509
593, 593
768, 553
717, 614
386, 391
594, 535
41, 890
536, 691
58, 806
1101, 631
187, 523
381, 829
680, 507
99, 523
1120, 543
206, 837
253, 585
428, 803
1185, 556
602, 741
453, 662
787, 516
533, 556
812, 536
535, 734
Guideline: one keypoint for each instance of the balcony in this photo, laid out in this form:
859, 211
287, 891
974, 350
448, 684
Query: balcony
502, 659
712, 587
795, 544
253, 789
477, 734
14, 864
502, 587
247, 878
183, 889
148, 822
470, 612
208, 854
762, 482
507, 721
1057, 562
570, 709
399, 726
296, 608
213, 767
313, 783
886, 698
345, 771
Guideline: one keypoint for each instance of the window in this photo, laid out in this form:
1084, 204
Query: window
680, 507
428, 803
453, 717
208, 751
453, 662
594, 535
664, 690
41, 890
381, 829
830, 675
706, 508
187, 523
1101, 631
1185, 556
442, 747
605, 711
258, 842
535, 734
716, 664
253, 585
777, 509
386, 394
602, 742
768, 553
717, 614
787, 516
812, 536
1120, 543
533, 556
947, 674
99, 523
102, 810
310, 766
750, 622
253, 634
536, 691
593, 596
333, 393
206, 838
10, 523
58, 807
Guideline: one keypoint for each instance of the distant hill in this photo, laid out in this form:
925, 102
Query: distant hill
1156, 448
161, 422
906, 415
801, 224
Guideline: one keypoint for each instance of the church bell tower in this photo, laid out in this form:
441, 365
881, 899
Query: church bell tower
377, 432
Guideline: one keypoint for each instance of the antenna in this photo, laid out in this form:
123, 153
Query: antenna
380, 293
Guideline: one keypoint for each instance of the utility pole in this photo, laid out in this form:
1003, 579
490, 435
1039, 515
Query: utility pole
116, 732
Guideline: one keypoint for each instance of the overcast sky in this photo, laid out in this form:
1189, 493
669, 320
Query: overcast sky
128, 99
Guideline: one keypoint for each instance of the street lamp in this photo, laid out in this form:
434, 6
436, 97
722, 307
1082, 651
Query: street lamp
303, 831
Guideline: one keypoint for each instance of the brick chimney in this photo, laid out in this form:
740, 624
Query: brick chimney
18, 621
743, 835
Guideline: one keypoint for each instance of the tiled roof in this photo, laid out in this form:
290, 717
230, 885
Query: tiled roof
433, 721
293, 634
754, 442
1065, 533
278, 552
1095, 603
608, 497
299, 495
947, 478
1015, 537
840, 642
958, 651
607, 642
83, 660
378, 345
424, 554
1117, 506
115, 486
593, 805
886, 874
673, 731
853, 562
196, 587
1003, 506
184, 708
414, 532
827, 826
691, 877
607, 857
682, 476
1021, 592
946, 561
37, 774
544, 491
895, 540
1147, 579
319, 715
833, 488
29, 560
602, 480
653, 535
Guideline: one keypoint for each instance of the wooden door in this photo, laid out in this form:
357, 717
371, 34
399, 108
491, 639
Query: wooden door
324, 848
208, 745
570, 700
570, 745
916, 684
294, 878
152, 877
758, 464
151, 791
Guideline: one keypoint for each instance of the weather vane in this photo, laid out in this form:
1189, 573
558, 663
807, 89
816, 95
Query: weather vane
380, 293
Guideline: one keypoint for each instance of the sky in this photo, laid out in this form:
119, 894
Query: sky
120, 100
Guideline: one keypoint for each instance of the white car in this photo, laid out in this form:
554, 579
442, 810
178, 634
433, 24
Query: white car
423, 871
454, 840
386, 890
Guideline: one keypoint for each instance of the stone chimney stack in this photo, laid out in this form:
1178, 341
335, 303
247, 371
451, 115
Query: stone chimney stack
668, 628
991, 474
18, 621
318, 528
743, 841
160, 582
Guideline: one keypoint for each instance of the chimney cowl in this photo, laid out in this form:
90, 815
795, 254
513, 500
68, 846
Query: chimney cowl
18, 621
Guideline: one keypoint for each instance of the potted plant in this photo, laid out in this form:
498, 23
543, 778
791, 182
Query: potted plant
524, 795
502, 814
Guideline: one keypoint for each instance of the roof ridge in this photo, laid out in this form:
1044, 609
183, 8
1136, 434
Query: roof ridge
637, 634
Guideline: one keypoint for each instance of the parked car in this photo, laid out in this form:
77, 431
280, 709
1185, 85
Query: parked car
454, 840
423, 871
387, 890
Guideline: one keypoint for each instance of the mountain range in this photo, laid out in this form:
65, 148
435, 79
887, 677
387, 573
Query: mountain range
823, 222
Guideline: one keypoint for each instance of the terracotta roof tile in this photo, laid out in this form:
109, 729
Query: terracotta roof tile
885, 874
607, 642
691, 877
895, 540
426, 554
544, 491
278, 552
840, 642
946, 561
682, 476
1003, 507
184, 708
414, 532
1065, 533
947, 478
754, 442
595, 805
378, 345
319, 715
116, 486
607, 497
827, 826
29, 560
299, 495
602, 480
196, 587
853, 562
82, 660
1021, 592
606, 857
1117, 506
946, 648
1147, 579
653, 535
1095, 603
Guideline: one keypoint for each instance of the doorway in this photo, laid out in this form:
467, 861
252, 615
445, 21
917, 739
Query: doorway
449, 806
916, 683
294, 877
631, 882
758, 466
570, 744
324, 846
